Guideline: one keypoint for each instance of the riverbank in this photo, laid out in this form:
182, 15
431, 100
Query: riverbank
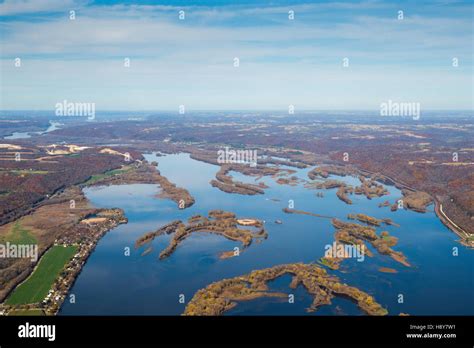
466, 238
85, 227
195, 264
413, 199
144, 173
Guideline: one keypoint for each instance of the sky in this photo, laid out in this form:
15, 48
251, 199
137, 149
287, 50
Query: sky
191, 61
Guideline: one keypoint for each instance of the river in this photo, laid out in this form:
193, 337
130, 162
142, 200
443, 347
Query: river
111, 283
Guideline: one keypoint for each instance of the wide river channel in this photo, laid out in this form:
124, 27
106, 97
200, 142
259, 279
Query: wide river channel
111, 283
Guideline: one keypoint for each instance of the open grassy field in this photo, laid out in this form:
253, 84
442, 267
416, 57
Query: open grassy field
19, 235
99, 177
29, 312
25, 171
36, 287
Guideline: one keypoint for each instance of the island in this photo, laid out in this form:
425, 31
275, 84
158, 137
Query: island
356, 234
302, 212
225, 183
225, 294
369, 220
218, 222
368, 187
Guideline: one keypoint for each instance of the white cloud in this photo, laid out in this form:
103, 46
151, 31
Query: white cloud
16, 7
190, 62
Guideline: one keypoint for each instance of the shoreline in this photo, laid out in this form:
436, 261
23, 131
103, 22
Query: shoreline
60, 288
85, 254
85, 250
450, 224
387, 180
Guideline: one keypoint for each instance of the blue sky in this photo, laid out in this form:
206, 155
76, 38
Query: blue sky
191, 61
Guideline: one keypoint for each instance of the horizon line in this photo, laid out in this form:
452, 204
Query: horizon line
226, 110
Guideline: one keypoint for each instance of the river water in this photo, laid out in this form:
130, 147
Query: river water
24, 135
111, 283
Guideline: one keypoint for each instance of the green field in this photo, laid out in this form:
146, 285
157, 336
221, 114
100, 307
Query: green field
19, 235
36, 287
25, 171
96, 178
29, 312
